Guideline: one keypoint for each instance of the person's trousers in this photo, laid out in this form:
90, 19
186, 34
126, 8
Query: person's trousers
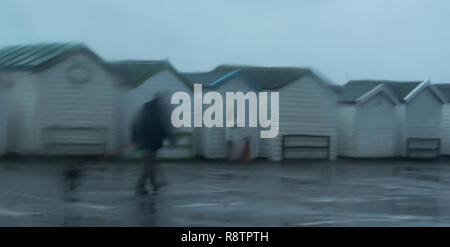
229, 150
149, 171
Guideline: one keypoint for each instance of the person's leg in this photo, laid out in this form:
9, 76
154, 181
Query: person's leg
154, 171
146, 172
231, 157
227, 151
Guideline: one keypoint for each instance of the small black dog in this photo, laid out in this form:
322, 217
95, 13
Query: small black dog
73, 174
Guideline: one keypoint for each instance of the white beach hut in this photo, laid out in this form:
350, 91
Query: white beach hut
366, 121
307, 113
4, 100
445, 129
143, 79
418, 116
212, 142
64, 100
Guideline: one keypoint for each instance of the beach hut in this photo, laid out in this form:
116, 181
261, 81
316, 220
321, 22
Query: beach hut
307, 112
212, 142
4, 101
418, 116
366, 121
143, 79
64, 100
445, 134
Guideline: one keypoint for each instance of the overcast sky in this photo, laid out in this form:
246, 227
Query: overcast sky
346, 39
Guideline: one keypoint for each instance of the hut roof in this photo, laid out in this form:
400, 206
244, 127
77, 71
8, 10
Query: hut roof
135, 72
40, 56
352, 90
260, 78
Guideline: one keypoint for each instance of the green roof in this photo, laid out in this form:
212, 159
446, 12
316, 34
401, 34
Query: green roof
31, 56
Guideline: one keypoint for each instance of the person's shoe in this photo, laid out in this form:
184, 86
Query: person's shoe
141, 191
156, 188
158, 185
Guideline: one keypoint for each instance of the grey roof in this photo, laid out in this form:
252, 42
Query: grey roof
402, 89
132, 71
204, 78
444, 88
266, 78
336, 88
352, 90
261, 78
31, 56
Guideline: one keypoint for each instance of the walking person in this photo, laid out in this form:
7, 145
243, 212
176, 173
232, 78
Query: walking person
149, 130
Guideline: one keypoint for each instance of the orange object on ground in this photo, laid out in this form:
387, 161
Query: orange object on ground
245, 156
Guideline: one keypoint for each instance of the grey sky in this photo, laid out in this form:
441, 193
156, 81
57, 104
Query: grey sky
346, 39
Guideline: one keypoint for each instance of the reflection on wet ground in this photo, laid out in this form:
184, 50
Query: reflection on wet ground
304, 193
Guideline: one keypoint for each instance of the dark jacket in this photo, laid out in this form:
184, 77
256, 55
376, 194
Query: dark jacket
151, 126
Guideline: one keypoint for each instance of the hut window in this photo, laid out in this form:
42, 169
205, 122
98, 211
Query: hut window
78, 74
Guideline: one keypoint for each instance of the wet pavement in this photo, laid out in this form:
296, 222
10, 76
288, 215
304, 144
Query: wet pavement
304, 193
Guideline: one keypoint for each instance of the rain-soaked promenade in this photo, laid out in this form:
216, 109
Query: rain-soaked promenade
304, 193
